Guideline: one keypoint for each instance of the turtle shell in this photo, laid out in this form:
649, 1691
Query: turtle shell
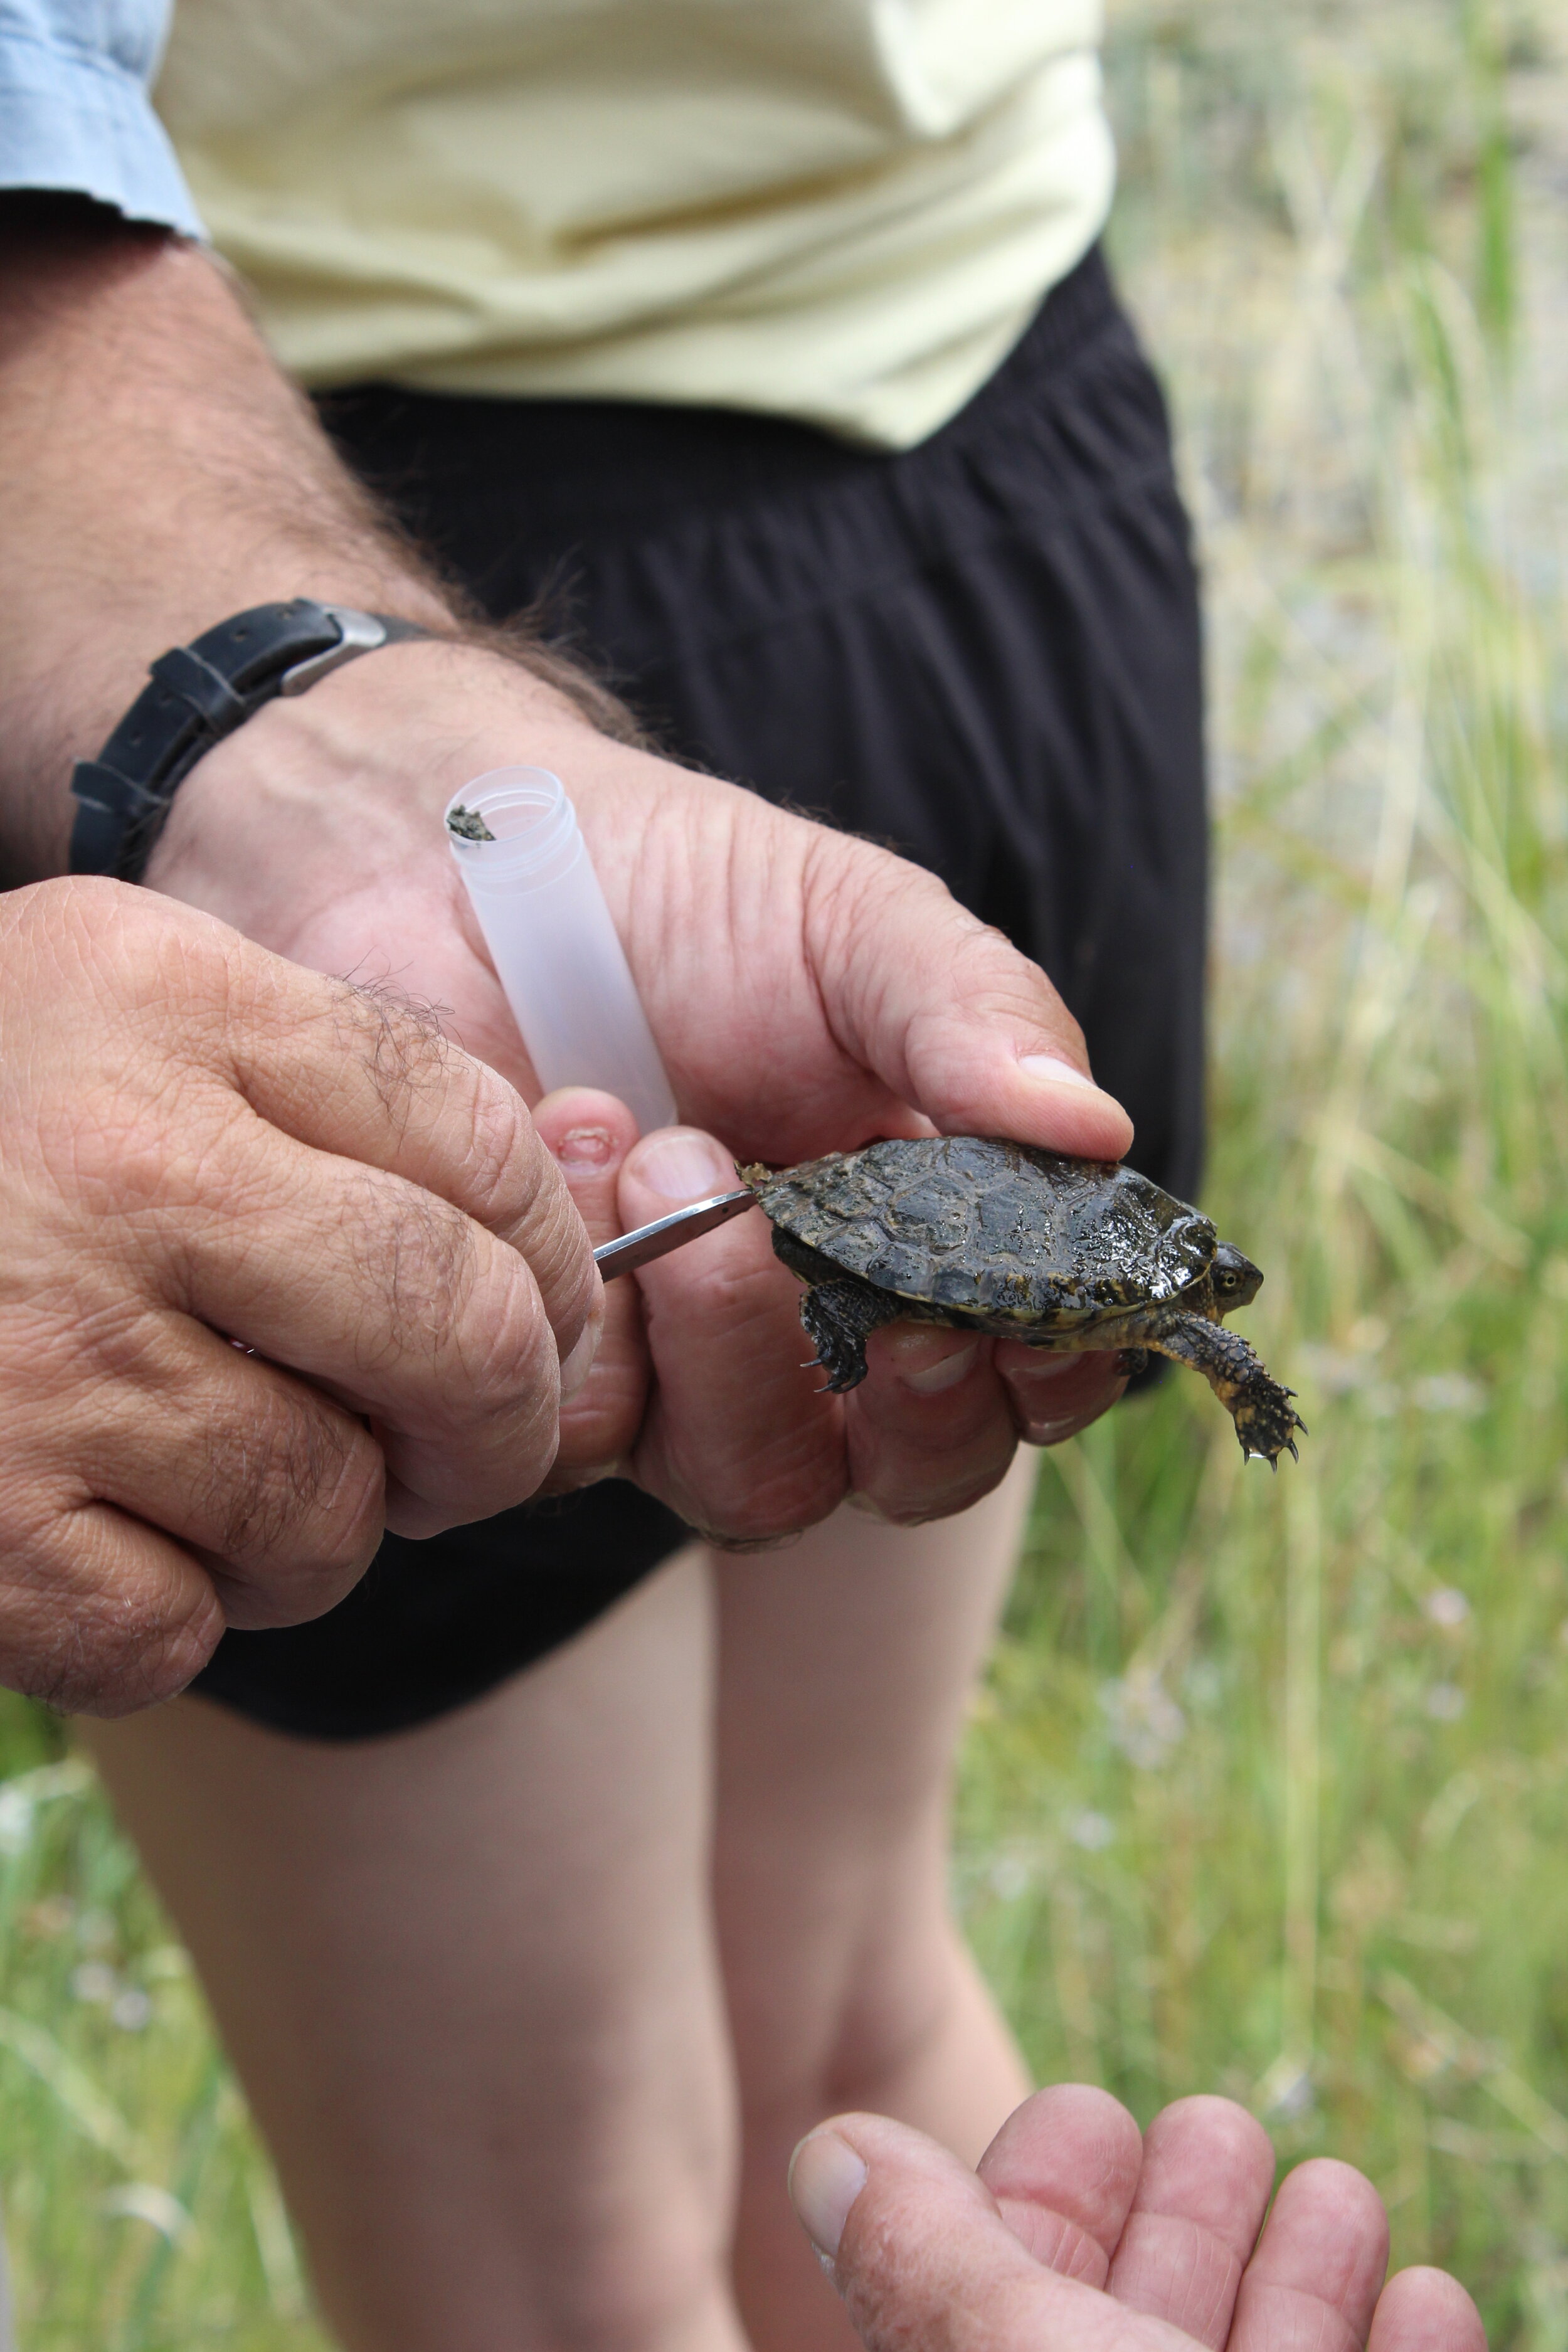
979, 1226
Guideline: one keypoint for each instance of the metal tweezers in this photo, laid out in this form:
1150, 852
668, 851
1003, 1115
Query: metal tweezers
665, 1234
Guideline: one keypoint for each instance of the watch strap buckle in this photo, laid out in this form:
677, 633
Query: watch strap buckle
360, 633
199, 694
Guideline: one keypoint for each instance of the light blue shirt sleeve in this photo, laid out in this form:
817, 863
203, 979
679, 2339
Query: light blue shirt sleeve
75, 110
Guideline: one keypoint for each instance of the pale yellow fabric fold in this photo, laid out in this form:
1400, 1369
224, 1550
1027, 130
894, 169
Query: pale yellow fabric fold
839, 210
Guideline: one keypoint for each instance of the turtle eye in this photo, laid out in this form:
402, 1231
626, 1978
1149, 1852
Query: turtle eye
1227, 1278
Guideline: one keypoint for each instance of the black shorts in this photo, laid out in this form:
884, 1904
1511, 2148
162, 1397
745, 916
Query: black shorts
984, 652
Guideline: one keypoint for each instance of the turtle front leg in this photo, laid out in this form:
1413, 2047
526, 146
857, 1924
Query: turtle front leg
839, 1317
1266, 1421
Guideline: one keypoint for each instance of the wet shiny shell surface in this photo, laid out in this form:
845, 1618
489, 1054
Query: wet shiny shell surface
985, 1227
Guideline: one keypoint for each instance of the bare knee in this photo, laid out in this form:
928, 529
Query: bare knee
627, 2247
916, 2034
867, 2026
899, 2020
643, 2286
606, 2274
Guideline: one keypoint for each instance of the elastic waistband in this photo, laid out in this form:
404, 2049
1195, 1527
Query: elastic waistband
589, 461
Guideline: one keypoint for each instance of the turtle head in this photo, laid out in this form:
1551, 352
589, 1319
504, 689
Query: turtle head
1236, 1280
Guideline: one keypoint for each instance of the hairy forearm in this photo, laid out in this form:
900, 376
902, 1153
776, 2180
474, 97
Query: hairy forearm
159, 472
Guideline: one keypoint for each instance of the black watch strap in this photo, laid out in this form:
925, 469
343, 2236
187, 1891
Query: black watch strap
200, 693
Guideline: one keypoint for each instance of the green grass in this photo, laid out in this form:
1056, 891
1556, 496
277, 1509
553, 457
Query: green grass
1267, 1790
139, 2210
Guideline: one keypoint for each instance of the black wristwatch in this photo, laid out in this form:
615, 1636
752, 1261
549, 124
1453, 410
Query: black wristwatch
200, 693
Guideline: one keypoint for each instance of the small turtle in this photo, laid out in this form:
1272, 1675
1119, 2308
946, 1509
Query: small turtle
1062, 1253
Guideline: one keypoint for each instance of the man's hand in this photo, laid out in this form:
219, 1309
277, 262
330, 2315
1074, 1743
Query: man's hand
808, 990
206, 1146
1078, 2236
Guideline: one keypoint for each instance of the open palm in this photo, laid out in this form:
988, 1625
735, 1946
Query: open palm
1080, 2235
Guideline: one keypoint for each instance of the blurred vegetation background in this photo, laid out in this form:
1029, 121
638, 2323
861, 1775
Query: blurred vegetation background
1268, 1791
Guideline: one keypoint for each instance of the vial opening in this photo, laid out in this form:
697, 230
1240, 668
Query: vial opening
512, 826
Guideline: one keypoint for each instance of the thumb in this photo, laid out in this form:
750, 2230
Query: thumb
948, 1014
925, 2262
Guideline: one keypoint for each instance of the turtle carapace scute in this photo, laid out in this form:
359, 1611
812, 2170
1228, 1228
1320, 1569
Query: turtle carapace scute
1063, 1254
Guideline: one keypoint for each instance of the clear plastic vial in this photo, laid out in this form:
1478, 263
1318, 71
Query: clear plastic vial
553, 945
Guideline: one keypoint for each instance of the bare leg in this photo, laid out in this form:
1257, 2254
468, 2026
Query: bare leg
468, 1976
846, 1665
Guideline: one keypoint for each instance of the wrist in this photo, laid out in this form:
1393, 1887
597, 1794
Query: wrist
196, 696
143, 505
342, 789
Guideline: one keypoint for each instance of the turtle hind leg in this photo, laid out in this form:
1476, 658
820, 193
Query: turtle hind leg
839, 1317
1265, 1420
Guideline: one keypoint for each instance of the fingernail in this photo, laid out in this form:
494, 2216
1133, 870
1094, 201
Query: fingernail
684, 1166
946, 1373
826, 2177
1057, 1073
1045, 1372
576, 1367
585, 1147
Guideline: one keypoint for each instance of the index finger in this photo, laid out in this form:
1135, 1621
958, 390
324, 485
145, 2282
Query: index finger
1064, 2170
364, 1075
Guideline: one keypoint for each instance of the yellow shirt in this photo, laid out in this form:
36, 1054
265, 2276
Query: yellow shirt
839, 210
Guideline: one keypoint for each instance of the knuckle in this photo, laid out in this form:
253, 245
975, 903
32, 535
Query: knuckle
506, 1346
993, 982
523, 1198
88, 1632
600, 1426
117, 1350
398, 1040
147, 1668
466, 1327
504, 1164
904, 1505
144, 955
74, 911
292, 1487
755, 1501
736, 1303
418, 1258
126, 1158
